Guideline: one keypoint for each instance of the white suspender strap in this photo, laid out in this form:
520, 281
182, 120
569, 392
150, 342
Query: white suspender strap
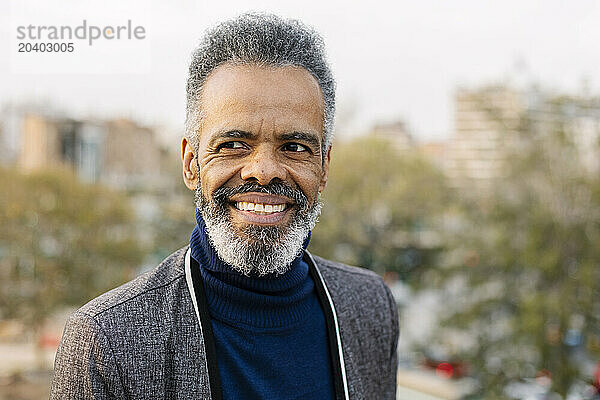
190, 283
337, 328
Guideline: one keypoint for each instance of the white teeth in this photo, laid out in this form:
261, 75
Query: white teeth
262, 208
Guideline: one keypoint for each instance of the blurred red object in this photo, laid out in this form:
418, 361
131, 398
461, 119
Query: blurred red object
447, 369
444, 370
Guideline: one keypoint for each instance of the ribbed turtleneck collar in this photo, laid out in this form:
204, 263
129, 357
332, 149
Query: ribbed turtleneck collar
268, 302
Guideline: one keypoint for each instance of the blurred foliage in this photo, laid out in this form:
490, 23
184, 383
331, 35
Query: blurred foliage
61, 243
524, 266
382, 209
167, 223
172, 226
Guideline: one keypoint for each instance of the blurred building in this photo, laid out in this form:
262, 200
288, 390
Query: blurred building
15, 121
576, 119
81, 147
132, 156
119, 153
484, 119
396, 133
40, 143
493, 121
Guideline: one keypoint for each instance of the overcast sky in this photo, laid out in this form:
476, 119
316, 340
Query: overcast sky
392, 60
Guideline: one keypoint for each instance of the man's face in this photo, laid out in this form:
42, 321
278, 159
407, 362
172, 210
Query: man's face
260, 159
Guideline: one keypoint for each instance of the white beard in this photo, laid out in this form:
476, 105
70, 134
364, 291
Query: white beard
264, 249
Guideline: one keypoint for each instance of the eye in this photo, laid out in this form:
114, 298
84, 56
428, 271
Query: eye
232, 145
294, 147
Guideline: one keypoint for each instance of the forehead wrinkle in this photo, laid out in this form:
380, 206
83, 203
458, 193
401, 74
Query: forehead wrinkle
279, 121
262, 122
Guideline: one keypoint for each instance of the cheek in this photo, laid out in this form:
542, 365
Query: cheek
309, 181
216, 175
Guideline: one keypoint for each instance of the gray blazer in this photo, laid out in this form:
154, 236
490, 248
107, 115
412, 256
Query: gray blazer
143, 340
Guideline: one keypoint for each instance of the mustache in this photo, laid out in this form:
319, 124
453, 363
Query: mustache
222, 195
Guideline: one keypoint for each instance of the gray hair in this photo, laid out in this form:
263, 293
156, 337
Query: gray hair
266, 40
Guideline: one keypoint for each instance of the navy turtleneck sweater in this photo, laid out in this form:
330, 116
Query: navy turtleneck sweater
269, 331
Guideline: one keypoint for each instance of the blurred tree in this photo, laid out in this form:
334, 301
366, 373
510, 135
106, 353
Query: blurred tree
169, 225
61, 243
381, 209
524, 265
177, 218
173, 227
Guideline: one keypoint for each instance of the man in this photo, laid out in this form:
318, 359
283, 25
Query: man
244, 311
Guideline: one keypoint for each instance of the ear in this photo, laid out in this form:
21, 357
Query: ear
325, 174
190, 168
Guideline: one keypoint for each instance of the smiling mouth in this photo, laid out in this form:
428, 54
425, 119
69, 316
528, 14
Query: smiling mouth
260, 208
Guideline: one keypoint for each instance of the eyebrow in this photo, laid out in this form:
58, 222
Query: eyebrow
234, 134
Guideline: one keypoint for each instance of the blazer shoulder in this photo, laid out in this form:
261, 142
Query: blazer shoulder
338, 268
166, 273
348, 283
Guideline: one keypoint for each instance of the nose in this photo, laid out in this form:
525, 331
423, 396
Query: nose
263, 166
